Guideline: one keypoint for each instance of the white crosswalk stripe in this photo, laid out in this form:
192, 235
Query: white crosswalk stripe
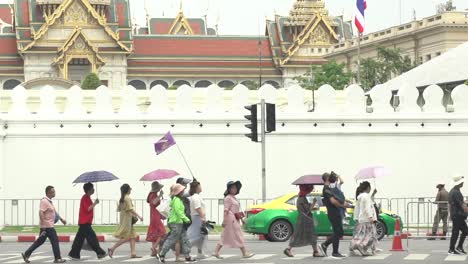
211, 258
259, 257
298, 257
455, 258
378, 257
416, 257
104, 259
35, 258
144, 258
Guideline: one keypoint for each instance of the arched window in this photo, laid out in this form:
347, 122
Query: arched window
203, 84
160, 82
273, 83
10, 84
180, 83
252, 85
139, 85
226, 84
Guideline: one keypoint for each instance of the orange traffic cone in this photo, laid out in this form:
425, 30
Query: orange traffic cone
397, 245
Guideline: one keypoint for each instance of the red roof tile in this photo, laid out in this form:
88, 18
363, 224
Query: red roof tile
200, 46
230, 64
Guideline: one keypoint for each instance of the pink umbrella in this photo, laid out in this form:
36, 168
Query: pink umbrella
161, 174
372, 173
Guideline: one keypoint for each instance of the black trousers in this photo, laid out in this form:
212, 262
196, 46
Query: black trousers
459, 224
85, 232
45, 233
337, 227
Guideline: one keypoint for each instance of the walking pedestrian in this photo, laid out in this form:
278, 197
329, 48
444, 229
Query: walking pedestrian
232, 236
458, 212
304, 232
177, 219
365, 233
85, 230
128, 217
156, 229
442, 211
334, 216
197, 211
48, 216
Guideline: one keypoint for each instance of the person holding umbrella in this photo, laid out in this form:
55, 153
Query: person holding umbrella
232, 235
304, 233
156, 230
128, 216
85, 221
48, 216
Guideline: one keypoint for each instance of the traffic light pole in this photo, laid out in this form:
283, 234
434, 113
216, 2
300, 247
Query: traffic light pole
263, 125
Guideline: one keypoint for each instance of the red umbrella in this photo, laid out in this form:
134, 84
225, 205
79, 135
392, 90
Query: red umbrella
315, 179
160, 174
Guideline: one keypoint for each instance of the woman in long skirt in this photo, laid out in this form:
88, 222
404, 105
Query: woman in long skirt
232, 236
364, 235
304, 232
156, 229
197, 212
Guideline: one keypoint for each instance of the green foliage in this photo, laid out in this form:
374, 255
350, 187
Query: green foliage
466, 82
91, 82
389, 64
331, 73
251, 85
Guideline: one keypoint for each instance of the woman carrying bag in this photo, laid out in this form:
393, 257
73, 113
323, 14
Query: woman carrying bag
232, 236
156, 229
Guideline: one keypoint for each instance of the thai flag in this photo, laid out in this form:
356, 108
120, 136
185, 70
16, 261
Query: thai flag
361, 6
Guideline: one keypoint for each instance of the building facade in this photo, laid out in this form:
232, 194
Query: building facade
58, 42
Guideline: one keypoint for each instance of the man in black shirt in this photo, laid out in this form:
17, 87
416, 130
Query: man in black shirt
334, 216
458, 211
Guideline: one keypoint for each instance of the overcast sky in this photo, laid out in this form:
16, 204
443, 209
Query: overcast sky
247, 17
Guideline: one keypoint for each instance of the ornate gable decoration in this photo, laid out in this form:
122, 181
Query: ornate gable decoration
78, 13
317, 32
180, 26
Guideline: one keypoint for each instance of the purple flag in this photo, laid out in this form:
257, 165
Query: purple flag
164, 143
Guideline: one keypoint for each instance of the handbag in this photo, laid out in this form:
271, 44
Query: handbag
134, 220
239, 215
164, 209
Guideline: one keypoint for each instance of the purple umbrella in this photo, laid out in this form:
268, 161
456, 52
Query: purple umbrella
372, 173
161, 174
315, 179
95, 176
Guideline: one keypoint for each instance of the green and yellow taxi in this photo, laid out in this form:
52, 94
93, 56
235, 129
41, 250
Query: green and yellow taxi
276, 219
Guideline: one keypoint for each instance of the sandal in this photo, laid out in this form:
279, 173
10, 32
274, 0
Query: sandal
248, 255
217, 256
318, 255
288, 253
110, 253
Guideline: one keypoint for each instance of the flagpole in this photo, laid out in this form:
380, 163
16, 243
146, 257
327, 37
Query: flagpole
359, 59
185, 160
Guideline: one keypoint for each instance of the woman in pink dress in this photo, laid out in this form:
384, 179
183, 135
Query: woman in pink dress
232, 236
156, 230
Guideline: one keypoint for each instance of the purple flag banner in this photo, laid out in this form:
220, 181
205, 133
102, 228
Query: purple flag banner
164, 143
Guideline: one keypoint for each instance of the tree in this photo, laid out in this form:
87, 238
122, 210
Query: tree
331, 73
389, 63
466, 82
91, 82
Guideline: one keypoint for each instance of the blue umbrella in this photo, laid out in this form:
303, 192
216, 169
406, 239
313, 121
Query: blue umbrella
95, 176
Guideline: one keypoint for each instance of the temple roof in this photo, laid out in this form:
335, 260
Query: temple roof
162, 26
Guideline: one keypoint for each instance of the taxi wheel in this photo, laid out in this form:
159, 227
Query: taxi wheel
381, 230
280, 231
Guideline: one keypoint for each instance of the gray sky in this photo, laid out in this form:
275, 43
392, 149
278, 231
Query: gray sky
247, 17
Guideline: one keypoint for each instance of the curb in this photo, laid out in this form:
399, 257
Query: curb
101, 238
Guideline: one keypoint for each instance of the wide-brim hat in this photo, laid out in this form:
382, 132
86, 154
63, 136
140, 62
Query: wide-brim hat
238, 184
440, 185
176, 189
458, 179
156, 186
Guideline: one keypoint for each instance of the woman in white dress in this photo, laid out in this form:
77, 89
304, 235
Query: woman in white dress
197, 213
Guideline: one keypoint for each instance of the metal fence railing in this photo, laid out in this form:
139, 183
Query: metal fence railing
24, 212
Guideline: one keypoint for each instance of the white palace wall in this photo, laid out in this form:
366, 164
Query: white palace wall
420, 146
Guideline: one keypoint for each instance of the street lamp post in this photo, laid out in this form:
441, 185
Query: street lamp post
312, 80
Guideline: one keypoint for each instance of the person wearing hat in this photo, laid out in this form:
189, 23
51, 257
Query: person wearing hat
458, 211
442, 211
185, 199
232, 235
176, 221
156, 229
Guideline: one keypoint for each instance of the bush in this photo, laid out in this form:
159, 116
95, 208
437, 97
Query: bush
91, 82
466, 82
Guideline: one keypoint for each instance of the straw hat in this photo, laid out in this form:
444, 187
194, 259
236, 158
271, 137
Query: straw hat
176, 189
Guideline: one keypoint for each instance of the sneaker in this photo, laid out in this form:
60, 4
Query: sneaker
461, 250
338, 255
102, 256
160, 258
25, 258
60, 261
73, 257
324, 248
453, 252
190, 260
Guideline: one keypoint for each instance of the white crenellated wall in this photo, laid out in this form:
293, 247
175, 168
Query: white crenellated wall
54, 143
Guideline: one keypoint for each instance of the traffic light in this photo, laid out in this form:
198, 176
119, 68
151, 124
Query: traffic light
253, 135
270, 117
